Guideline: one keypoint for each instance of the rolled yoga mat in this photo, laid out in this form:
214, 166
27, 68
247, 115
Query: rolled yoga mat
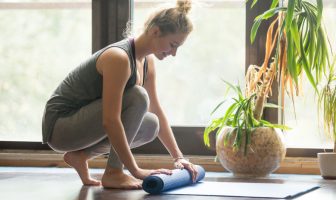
155, 184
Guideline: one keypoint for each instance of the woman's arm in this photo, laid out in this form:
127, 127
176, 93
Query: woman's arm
114, 66
166, 135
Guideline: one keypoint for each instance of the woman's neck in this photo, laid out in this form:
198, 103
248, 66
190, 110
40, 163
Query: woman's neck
142, 47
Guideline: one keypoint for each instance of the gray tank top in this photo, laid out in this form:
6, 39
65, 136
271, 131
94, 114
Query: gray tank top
82, 86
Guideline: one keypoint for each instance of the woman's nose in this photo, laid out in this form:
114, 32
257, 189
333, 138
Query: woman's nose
173, 52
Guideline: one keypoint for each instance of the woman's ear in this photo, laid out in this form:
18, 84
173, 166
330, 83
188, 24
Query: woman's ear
155, 31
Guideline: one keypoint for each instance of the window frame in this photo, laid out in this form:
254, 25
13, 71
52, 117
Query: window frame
109, 18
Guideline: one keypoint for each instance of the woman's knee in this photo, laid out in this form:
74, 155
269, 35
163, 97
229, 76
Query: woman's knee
153, 126
148, 131
138, 96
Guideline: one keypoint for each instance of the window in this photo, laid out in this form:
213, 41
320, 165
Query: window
38, 49
41, 41
190, 85
306, 132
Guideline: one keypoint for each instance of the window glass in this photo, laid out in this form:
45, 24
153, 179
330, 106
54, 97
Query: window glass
190, 85
41, 41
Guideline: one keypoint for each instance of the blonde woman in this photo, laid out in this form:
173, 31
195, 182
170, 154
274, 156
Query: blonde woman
109, 104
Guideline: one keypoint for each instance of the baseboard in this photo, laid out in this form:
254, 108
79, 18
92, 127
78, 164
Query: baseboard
38, 158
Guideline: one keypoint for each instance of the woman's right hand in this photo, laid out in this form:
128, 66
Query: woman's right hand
143, 173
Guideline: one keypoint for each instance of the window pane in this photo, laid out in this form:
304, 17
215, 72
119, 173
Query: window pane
41, 41
306, 131
190, 86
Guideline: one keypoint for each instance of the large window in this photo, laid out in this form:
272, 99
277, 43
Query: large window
41, 41
190, 84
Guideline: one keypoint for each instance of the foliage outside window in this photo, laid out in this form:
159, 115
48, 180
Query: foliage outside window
41, 41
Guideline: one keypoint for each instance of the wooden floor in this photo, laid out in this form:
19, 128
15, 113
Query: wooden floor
33, 183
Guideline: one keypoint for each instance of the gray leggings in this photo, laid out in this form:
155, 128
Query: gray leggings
84, 131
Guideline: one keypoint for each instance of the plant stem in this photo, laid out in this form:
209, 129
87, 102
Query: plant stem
259, 106
266, 87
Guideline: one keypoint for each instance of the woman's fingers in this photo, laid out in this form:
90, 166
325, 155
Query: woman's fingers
178, 165
189, 166
193, 170
183, 163
162, 171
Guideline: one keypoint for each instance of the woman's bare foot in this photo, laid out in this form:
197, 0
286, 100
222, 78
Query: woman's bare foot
78, 160
116, 179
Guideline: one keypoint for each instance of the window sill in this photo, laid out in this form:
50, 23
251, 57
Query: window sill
38, 158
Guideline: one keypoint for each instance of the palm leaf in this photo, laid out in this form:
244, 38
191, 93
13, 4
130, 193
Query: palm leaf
271, 105
274, 3
219, 105
289, 15
319, 12
307, 68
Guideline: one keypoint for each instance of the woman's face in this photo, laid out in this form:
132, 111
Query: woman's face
168, 44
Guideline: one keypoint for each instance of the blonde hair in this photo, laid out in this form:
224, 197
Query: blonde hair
171, 20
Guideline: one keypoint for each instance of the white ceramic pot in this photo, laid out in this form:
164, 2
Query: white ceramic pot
327, 162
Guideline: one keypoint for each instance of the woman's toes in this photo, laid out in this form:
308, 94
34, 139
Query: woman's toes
92, 182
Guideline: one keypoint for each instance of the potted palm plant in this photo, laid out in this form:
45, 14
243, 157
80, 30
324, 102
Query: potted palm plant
327, 103
246, 144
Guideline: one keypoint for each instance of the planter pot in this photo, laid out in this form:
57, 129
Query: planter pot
327, 162
264, 153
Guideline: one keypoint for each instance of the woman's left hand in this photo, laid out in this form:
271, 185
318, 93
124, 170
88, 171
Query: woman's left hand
182, 163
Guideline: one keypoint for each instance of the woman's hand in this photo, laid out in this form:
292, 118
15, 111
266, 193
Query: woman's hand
143, 173
182, 163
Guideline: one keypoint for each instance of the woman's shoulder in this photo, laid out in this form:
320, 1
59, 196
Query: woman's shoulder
114, 53
112, 57
116, 50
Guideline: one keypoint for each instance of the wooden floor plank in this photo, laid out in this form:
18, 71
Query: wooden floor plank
37, 183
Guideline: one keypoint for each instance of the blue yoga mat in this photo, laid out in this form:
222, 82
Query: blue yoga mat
155, 184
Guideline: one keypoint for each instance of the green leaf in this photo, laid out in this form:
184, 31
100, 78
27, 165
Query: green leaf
270, 13
290, 12
291, 63
319, 12
274, 3
239, 92
254, 30
228, 136
237, 114
280, 126
264, 16
271, 105
214, 125
295, 34
237, 141
247, 135
206, 136
306, 68
229, 112
230, 85
253, 3
219, 105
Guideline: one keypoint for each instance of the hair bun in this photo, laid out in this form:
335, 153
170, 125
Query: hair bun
183, 6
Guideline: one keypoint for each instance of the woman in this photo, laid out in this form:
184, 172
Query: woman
109, 104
